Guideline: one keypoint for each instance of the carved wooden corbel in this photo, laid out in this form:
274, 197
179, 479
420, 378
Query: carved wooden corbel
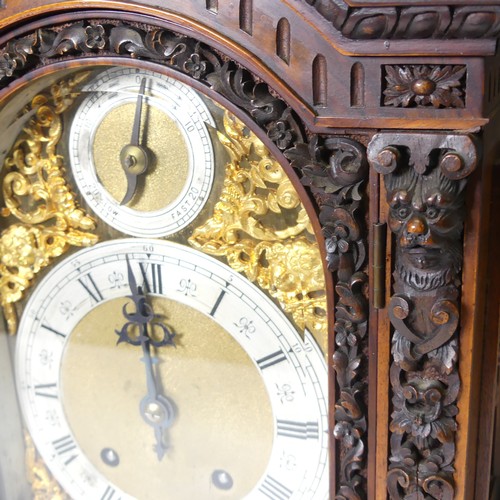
424, 176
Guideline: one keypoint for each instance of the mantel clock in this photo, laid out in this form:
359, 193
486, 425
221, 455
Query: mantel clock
246, 249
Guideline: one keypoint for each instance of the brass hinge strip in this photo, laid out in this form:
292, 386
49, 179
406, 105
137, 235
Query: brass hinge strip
379, 247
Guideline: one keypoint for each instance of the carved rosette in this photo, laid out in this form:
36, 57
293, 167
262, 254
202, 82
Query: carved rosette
426, 199
422, 85
332, 168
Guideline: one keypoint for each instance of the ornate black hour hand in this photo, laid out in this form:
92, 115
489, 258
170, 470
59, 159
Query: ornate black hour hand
142, 319
156, 409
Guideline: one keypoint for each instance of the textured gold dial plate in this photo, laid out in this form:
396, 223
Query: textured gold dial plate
168, 120
167, 150
222, 404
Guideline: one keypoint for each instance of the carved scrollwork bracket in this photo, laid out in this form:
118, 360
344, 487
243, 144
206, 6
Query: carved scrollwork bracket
425, 177
334, 168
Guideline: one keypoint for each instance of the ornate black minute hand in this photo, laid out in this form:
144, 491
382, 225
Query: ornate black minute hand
156, 409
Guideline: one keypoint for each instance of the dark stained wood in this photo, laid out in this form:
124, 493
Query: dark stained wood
402, 3
423, 19
424, 309
383, 338
489, 363
283, 40
307, 41
373, 341
474, 330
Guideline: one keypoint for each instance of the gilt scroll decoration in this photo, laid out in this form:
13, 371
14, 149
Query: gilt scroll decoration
332, 168
246, 229
45, 218
44, 486
425, 179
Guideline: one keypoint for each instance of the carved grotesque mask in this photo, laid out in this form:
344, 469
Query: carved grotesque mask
425, 216
422, 404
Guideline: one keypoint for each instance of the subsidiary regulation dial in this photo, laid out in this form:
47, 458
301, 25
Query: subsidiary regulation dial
140, 151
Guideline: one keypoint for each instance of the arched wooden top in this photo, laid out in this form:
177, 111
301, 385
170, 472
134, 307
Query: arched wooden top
249, 32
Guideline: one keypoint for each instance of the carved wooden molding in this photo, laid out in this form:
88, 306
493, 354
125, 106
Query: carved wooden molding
354, 98
411, 22
424, 176
401, 3
333, 168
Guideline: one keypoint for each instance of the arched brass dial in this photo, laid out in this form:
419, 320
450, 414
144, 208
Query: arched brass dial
146, 368
247, 394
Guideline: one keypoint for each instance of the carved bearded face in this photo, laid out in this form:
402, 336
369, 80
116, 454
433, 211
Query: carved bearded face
425, 215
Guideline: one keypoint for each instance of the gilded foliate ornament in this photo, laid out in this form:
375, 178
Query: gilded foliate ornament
247, 228
44, 217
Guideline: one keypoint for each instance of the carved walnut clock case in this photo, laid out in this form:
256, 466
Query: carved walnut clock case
246, 249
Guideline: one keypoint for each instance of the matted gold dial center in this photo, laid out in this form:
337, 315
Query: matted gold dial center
167, 154
223, 417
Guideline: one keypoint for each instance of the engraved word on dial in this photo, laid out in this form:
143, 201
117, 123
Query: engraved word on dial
215, 394
140, 151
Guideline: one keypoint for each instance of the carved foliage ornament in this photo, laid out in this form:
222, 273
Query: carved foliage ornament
336, 183
245, 230
333, 168
426, 199
182, 53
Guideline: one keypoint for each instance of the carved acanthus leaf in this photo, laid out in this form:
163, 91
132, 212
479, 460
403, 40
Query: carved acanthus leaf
333, 168
15, 54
